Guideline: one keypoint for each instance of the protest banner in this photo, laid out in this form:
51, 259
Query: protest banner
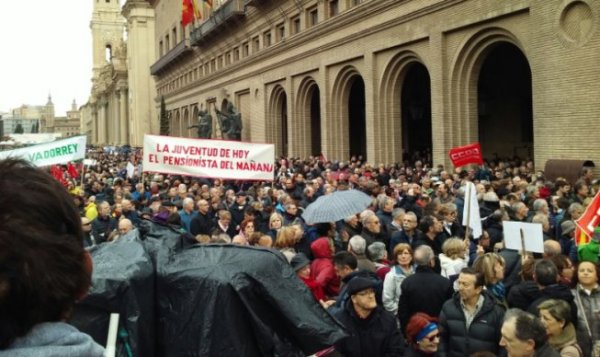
523, 236
209, 158
56, 152
468, 154
471, 216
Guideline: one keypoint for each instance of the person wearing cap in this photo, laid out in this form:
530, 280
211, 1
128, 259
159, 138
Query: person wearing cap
372, 331
237, 209
301, 266
423, 336
471, 320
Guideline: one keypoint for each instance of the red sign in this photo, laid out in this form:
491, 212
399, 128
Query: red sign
468, 154
590, 219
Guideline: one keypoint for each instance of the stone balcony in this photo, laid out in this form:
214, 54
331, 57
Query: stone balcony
230, 12
176, 53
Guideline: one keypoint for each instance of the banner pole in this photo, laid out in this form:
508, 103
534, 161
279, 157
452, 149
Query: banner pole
468, 210
82, 175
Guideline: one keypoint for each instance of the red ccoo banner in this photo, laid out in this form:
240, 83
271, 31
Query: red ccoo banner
468, 154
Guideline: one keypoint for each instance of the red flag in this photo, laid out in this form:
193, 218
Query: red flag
588, 221
72, 170
468, 154
187, 13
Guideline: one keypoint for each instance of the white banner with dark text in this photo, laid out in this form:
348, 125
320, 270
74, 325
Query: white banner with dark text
209, 158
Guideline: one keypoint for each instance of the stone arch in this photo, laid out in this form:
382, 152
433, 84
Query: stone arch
389, 105
175, 124
337, 134
308, 105
185, 122
193, 121
277, 120
463, 126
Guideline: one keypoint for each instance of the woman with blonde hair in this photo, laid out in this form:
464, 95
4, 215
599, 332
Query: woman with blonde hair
402, 258
286, 239
556, 317
454, 258
275, 224
492, 265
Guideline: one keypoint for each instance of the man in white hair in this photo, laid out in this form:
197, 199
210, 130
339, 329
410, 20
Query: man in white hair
357, 245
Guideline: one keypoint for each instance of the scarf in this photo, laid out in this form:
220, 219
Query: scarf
498, 290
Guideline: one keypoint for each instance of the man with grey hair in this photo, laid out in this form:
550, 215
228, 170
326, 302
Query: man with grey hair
424, 291
187, 213
397, 217
519, 212
371, 228
524, 335
357, 246
104, 224
545, 222
377, 252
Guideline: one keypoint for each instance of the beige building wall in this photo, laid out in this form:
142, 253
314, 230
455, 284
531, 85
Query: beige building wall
330, 44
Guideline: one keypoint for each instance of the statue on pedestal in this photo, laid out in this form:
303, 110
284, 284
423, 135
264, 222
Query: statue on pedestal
230, 122
204, 124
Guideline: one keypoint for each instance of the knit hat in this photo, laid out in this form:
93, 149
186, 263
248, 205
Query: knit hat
359, 284
419, 326
299, 261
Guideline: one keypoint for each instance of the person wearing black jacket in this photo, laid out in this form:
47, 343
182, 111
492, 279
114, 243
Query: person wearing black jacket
202, 223
425, 291
471, 321
546, 276
372, 330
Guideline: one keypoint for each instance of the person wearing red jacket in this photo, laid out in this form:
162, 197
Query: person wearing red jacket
322, 268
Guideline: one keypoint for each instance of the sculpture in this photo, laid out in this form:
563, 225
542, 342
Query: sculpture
204, 124
230, 122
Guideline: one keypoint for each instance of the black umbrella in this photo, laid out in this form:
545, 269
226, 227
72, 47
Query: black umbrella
335, 206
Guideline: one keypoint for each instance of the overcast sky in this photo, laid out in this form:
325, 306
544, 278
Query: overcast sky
45, 48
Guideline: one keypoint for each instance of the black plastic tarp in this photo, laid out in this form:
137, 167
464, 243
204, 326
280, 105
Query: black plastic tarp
122, 282
226, 300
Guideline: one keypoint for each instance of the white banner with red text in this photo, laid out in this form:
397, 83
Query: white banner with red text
209, 158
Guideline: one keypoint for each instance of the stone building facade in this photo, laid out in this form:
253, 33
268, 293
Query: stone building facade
389, 79
121, 107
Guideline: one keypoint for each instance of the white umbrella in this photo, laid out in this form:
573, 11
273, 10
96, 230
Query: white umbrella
335, 206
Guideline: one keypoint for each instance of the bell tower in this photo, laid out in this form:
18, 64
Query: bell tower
108, 26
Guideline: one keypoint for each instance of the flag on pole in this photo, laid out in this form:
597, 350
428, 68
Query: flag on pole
588, 221
187, 13
197, 10
468, 154
471, 217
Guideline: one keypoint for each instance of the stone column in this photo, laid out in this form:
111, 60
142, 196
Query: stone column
123, 116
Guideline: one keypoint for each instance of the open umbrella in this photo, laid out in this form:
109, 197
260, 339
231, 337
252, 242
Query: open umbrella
335, 206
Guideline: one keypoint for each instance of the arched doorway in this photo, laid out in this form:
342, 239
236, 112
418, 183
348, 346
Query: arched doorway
416, 113
357, 126
315, 121
176, 124
282, 113
278, 120
504, 103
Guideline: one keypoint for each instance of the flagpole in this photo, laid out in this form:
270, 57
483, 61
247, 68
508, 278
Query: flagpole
82, 175
468, 210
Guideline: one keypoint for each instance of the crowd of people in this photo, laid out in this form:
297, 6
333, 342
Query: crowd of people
403, 276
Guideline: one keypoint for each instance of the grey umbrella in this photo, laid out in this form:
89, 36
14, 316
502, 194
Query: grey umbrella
335, 206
